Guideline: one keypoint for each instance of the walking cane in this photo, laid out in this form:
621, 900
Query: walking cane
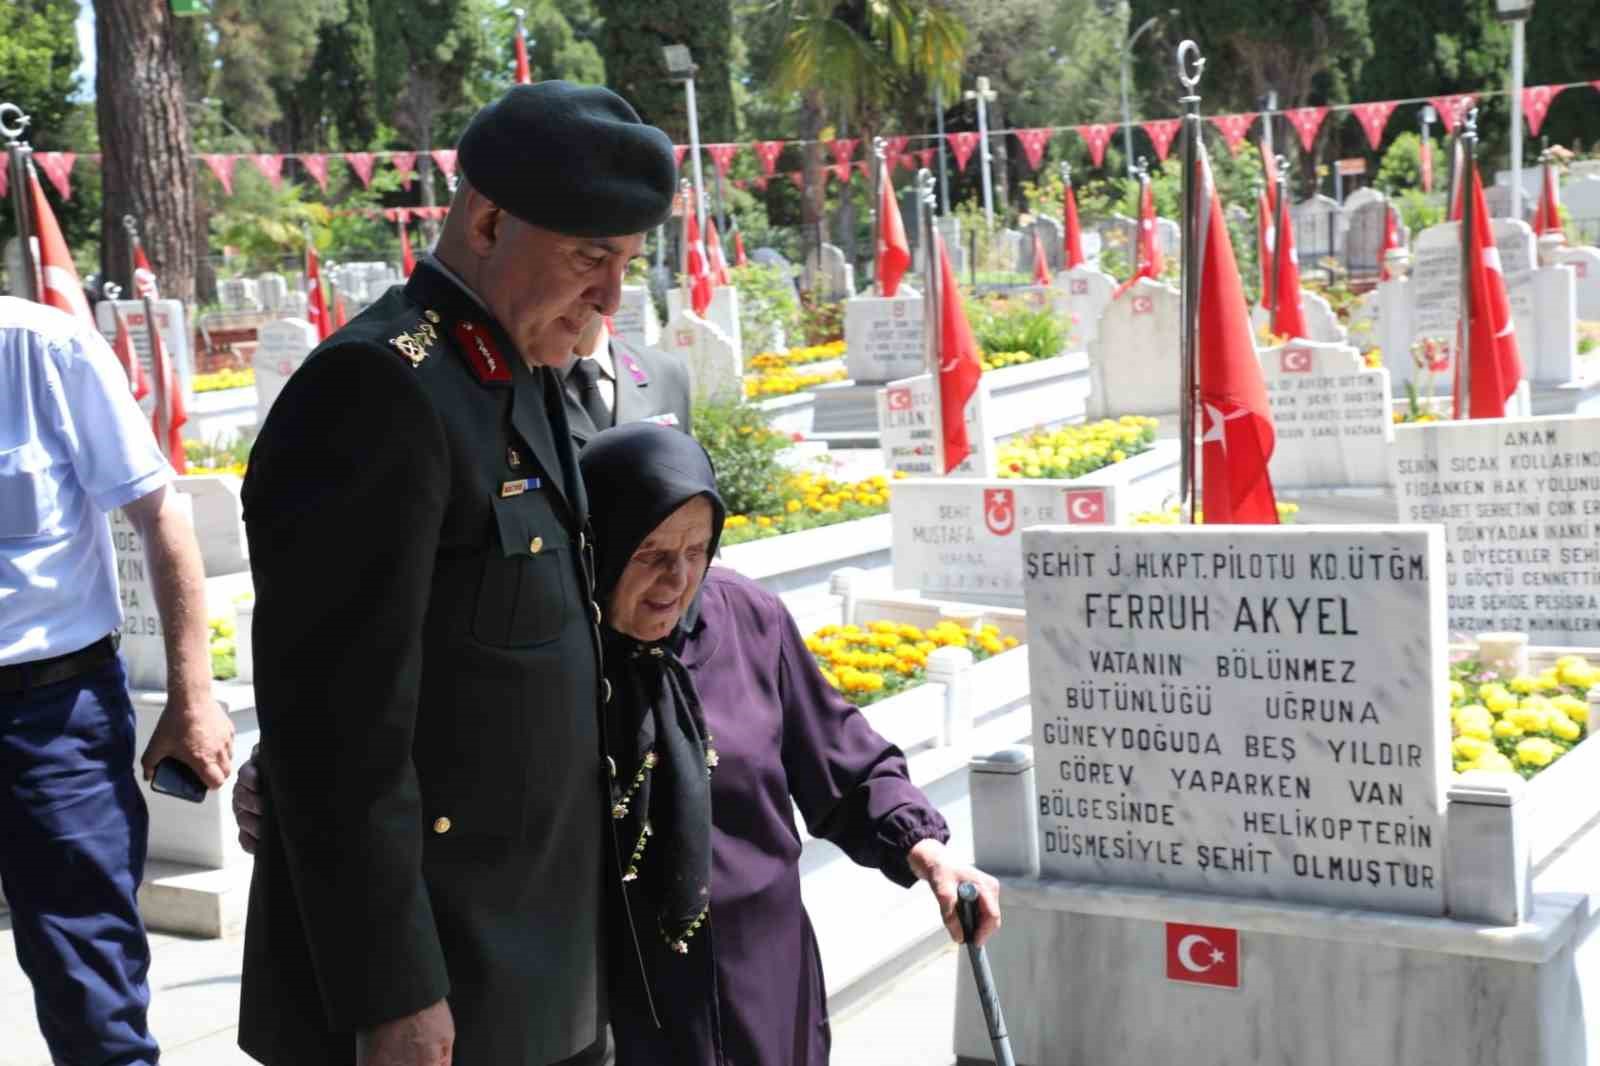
967, 911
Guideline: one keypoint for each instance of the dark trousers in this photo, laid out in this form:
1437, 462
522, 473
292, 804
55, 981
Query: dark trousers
72, 845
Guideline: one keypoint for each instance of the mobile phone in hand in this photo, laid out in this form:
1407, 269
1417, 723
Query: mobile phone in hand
175, 778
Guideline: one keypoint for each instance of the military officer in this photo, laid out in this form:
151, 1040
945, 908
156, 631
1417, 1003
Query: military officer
429, 889
610, 382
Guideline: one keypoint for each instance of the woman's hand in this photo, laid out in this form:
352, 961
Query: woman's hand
930, 861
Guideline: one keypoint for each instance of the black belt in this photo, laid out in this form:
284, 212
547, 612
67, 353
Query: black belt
20, 677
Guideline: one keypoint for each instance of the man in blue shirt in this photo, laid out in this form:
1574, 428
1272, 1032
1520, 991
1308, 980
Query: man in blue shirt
73, 446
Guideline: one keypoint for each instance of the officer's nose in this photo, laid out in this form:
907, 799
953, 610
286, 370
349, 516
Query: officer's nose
608, 292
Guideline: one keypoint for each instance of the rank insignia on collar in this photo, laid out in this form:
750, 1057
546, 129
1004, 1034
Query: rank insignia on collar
482, 352
635, 371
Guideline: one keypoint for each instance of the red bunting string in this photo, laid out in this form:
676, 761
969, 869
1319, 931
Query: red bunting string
222, 167
1097, 136
678, 152
317, 167
961, 145
798, 177
1373, 118
894, 151
405, 163
445, 158
925, 157
1452, 109
1234, 129
271, 168
1162, 133
1536, 102
722, 156
1033, 143
760, 182
1306, 122
57, 166
361, 163
767, 152
842, 150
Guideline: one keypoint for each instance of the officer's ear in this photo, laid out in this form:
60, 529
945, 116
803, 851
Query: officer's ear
485, 224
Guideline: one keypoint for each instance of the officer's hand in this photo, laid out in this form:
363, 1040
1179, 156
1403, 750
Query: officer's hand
197, 732
426, 1038
249, 803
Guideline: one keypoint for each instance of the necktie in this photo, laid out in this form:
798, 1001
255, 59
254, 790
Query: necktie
585, 377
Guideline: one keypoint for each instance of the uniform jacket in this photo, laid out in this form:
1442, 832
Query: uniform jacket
652, 386
428, 684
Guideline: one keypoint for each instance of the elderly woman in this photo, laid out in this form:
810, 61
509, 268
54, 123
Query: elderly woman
725, 724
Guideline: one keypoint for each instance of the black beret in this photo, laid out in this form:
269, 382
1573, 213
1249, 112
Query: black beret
576, 159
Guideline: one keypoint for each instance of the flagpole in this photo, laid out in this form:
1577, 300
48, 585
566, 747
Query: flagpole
13, 124
1280, 218
163, 401
930, 304
1469, 153
880, 152
1188, 383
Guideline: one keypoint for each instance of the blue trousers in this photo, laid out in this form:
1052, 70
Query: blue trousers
73, 829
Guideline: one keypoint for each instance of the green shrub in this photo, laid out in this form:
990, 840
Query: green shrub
768, 307
744, 451
1012, 326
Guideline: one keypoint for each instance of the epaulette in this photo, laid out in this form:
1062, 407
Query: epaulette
416, 343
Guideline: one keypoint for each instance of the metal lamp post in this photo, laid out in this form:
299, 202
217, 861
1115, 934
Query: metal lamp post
1127, 61
1516, 12
681, 67
983, 94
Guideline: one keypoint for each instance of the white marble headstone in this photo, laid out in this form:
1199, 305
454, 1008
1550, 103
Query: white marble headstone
1318, 230
829, 270
911, 435
282, 345
1332, 416
716, 370
218, 522
884, 336
723, 312
1134, 362
1585, 264
1082, 294
1580, 195
1052, 237
238, 294
958, 538
1169, 237
1519, 499
273, 290
143, 649
173, 322
636, 319
1248, 711
1322, 324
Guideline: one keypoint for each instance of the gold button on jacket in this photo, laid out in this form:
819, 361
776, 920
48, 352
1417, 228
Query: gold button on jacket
441, 825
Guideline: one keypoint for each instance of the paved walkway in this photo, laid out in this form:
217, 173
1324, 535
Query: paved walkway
195, 1006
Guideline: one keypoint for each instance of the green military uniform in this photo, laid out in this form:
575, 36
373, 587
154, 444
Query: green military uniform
430, 696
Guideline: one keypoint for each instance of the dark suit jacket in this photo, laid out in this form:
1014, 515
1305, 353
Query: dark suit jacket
429, 693
651, 386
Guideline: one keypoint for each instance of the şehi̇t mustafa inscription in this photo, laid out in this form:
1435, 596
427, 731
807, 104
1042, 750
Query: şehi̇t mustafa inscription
1250, 711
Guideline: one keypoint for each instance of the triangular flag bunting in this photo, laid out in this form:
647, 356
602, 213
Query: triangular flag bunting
1097, 136
961, 146
1536, 102
57, 166
271, 167
317, 167
1452, 109
405, 164
722, 156
1033, 144
1306, 122
445, 159
767, 152
1373, 119
361, 163
1234, 129
1162, 132
222, 167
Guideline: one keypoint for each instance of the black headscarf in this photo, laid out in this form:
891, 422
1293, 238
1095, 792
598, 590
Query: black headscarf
637, 475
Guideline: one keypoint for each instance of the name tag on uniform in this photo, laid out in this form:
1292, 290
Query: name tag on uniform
668, 419
518, 487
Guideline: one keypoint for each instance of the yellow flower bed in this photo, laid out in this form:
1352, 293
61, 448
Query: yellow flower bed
813, 353
1076, 450
871, 662
1520, 725
224, 379
236, 469
1172, 516
810, 501
223, 650
999, 360
786, 382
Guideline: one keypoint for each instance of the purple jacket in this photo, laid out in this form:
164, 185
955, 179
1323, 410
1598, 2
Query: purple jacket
751, 992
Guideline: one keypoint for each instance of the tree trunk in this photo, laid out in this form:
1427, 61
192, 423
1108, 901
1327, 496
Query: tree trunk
812, 189
147, 166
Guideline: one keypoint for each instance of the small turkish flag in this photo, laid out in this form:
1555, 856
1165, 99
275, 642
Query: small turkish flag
1086, 507
1071, 234
1203, 955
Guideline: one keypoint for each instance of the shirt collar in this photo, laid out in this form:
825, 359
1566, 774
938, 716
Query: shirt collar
455, 279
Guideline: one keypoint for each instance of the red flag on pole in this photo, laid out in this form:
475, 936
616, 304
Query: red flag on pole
894, 251
170, 415
1266, 238
698, 269
58, 277
1149, 262
524, 72
739, 258
408, 261
1391, 241
959, 366
716, 260
1073, 232
1547, 216
1427, 164
1041, 265
1495, 363
1236, 420
122, 345
144, 276
1287, 318
340, 315
316, 301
